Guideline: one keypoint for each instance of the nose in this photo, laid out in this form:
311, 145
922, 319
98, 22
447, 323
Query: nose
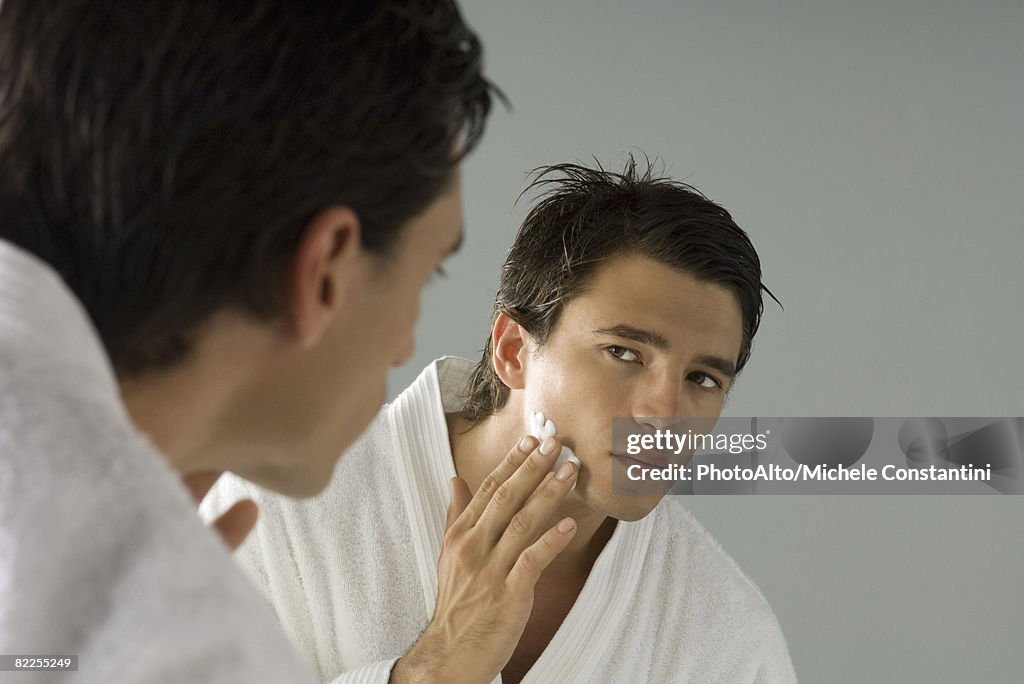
657, 422
659, 403
405, 351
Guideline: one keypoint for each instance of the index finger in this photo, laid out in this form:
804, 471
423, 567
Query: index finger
508, 466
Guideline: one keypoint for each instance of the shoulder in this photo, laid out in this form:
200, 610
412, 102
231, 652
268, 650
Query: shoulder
114, 516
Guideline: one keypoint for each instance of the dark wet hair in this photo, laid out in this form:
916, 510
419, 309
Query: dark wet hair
587, 216
166, 157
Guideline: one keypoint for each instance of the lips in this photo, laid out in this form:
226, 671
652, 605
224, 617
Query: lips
648, 462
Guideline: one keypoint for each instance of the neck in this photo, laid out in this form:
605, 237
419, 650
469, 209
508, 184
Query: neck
186, 410
177, 416
478, 449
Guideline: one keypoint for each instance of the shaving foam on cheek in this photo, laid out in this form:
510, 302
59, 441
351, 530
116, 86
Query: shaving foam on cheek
542, 429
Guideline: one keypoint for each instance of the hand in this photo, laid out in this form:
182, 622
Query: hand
237, 522
494, 551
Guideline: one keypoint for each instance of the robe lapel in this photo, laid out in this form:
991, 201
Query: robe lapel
424, 470
595, 620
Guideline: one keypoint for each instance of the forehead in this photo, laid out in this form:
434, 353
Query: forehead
644, 293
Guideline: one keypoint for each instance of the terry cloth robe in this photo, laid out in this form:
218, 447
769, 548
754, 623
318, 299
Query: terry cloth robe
352, 573
102, 554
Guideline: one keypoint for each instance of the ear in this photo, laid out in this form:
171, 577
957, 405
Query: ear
509, 351
326, 272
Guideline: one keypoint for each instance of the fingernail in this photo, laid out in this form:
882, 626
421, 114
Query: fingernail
565, 472
527, 444
566, 525
548, 446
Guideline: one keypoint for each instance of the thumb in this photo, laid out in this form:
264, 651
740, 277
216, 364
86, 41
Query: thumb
236, 523
461, 497
198, 484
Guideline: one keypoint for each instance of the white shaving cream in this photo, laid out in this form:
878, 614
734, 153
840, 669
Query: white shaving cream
542, 428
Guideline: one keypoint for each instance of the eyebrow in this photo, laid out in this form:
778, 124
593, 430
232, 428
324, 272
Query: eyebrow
719, 364
660, 342
648, 337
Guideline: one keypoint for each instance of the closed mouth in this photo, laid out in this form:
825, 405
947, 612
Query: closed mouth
632, 460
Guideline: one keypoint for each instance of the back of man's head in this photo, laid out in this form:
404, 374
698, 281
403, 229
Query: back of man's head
587, 216
165, 157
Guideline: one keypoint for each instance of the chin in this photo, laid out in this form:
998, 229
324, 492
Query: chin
625, 507
314, 484
632, 508
298, 480
596, 490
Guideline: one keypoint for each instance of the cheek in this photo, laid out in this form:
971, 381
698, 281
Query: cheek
582, 392
548, 386
575, 398
401, 310
583, 386
413, 301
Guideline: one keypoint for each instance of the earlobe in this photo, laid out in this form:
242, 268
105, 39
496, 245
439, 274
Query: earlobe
324, 272
508, 351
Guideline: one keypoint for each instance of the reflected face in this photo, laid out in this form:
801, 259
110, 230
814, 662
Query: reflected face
643, 341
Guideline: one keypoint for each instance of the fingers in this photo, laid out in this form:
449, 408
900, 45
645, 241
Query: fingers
538, 556
531, 520
236, 523
511, 507
508, 466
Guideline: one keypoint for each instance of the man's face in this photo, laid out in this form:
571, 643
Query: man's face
643, 341
380, 336
320, 409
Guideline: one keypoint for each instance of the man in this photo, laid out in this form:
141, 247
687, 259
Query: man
215, 222
623, 295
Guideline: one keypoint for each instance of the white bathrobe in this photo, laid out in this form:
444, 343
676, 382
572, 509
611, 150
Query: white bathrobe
102, 554
353, 573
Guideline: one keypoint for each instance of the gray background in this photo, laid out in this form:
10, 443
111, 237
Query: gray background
873, 150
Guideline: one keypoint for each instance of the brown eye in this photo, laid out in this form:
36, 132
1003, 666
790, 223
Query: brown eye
624, 354
706, 381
